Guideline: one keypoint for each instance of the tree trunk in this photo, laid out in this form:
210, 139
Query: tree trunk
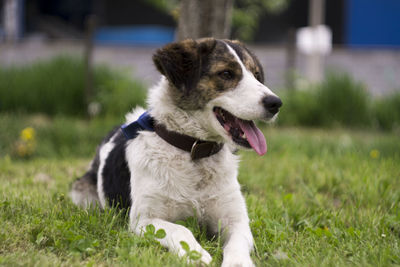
205, 18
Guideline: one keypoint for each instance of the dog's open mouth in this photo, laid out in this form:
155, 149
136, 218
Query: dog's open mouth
242, 132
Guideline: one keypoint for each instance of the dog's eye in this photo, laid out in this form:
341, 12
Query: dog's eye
226, 75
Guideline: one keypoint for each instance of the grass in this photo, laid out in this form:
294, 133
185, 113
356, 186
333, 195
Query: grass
59, 136
317, 198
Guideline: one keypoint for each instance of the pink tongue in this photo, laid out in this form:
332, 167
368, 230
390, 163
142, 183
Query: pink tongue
254, 136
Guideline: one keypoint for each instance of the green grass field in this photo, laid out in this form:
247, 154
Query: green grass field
318, 198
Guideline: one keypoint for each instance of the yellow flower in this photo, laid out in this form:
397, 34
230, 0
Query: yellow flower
374, 153
26, 144
28, 134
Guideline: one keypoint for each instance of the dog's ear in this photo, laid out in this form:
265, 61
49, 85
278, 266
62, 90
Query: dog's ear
181, 62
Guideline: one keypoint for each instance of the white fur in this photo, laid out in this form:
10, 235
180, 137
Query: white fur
87, 198
104, 152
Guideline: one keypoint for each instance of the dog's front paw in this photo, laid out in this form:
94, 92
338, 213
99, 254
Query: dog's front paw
237, 260
193, 252
205, 257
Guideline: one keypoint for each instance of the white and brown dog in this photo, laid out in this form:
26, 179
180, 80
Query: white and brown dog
201, 111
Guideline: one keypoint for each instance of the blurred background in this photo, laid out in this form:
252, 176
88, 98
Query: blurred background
69, 67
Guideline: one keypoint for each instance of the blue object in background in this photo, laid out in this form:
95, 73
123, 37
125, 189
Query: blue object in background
135, 35
373, 23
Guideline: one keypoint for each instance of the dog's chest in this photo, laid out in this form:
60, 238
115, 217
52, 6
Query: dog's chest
195, 179
190, 191
168, 179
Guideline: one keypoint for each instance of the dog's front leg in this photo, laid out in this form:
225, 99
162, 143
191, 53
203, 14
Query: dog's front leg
230, 211
175, 234
238, 245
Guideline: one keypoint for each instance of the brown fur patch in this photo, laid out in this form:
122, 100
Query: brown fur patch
211, 84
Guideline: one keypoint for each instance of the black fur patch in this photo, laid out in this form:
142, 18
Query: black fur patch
110, 134
91, 175
182, 62
116, 174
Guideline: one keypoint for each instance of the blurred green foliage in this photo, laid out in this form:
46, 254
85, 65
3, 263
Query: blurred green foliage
339, 101
57, 86
170, 7
245, 18
247, 15
118, 93
387, 111
51, 87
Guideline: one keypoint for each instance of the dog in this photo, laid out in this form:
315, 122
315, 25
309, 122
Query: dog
180, 160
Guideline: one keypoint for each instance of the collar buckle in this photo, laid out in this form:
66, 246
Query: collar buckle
193, 151
202, 149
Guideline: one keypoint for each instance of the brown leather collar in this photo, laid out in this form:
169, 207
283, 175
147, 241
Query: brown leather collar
198, 148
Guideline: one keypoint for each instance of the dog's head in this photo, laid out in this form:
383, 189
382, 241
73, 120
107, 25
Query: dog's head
223, 81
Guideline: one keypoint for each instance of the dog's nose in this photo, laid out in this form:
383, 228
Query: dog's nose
272, 103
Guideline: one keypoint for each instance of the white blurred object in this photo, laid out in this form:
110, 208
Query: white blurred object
315, 42
12, 19
318, 39
94, 108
